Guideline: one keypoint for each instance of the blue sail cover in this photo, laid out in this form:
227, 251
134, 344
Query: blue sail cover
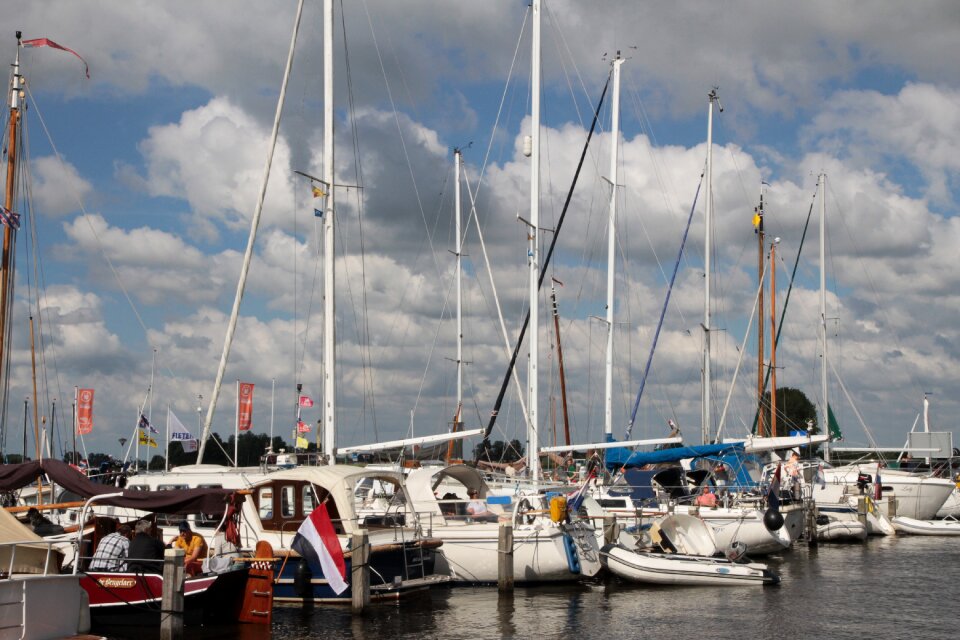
622, 457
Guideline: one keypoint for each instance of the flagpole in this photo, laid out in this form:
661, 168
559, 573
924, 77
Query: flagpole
273, 389
75, 392
137, 431
236, 426
166, 450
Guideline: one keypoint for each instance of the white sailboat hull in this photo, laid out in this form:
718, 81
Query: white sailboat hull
672, 569
918, 497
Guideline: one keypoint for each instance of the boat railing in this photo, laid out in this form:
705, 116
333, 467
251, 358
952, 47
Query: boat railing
51, 564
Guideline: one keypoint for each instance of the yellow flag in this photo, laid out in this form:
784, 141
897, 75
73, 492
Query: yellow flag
756, 220
302, 443
144, 439
318, 192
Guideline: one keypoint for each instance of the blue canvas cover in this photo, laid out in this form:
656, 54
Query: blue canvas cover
619, 457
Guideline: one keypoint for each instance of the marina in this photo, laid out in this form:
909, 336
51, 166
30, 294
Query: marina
397, 443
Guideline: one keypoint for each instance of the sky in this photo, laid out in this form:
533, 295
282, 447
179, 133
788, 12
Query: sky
143, 180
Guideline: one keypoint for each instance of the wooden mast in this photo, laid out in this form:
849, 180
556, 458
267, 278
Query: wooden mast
9, 233
563, 379
773, 338
758, 223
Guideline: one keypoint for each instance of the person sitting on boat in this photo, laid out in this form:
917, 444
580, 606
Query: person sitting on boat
707, 497
477, 508
194, 548
792, 470
111, 553
145, 554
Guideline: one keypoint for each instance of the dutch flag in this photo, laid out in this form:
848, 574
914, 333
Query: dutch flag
317, 542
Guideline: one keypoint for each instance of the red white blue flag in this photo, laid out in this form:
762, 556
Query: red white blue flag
877, 486
773, 495
317, 543
9, 218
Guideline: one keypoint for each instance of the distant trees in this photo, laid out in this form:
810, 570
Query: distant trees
795, 412
498, 451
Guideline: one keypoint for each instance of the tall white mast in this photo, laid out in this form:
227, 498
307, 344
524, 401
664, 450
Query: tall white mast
825, 409
612, 247
329, 308
458, 162
706, 409
533, 445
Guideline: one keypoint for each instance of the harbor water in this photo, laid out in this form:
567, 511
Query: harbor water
893, 587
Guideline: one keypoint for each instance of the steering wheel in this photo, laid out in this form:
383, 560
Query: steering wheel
525, 512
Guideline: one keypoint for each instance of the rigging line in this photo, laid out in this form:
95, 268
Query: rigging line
853, 405
496, 298
663, 312
496, 123
433, 346
873, 287
363, 335
742, 350
546, 262
86, 219
403, 144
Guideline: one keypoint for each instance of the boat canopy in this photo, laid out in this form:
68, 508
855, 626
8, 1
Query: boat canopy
620, 457
176, 501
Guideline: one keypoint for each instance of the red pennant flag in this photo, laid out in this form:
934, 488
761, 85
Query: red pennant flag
47, 42
305, 401
303, 427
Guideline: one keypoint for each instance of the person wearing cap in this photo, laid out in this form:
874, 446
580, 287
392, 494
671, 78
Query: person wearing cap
194, 548
477, 508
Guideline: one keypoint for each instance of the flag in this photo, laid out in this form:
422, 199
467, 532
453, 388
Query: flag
147, 440
820, 478
302, 427
84, 411
244, 406
318, 192
834, 427
47, 42
180, 433
302, 443
305, 401
756, 220
9, 218
145, 424
317, 542
877, 486
317, 213
773, 495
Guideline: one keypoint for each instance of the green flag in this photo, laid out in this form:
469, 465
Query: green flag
833, 426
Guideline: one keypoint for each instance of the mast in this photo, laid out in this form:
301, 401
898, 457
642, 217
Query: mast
563, 378
9, 233
329, 308
248, 254
458, 252
825, 410
773, 340
705, 407
612, 248
758, 222
533, 453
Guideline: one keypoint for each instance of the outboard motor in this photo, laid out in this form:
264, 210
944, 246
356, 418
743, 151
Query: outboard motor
736, 551
863, 479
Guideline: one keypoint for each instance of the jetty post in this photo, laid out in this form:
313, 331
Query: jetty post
892, 507
171, 619
862, 509
505, 559
360, 571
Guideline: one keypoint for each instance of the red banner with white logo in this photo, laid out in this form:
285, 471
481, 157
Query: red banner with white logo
84, 411
245, 406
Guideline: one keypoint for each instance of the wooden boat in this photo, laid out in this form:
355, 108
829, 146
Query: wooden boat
948, 527
675, 569
135, 598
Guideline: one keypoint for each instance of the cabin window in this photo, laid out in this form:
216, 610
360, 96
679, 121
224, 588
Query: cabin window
310, 501
288, 502
265, 500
